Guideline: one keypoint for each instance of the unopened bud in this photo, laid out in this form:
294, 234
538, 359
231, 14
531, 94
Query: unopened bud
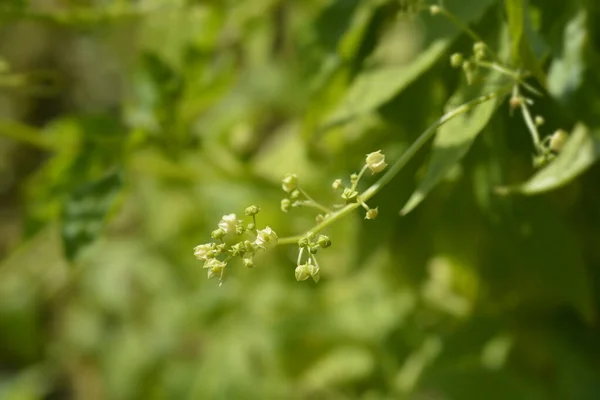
302, 272
324, 241
289, 183
295, 194
285, 205
337, 184
248, 263
218, 234
239, 229
252, 210
435, 10
456, 60
349, 194
515, 102
539, 120
479, 51
371, 213
558, 140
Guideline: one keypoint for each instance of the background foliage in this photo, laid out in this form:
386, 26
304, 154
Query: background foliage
127, 128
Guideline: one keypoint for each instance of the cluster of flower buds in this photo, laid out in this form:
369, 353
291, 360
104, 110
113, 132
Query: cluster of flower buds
233, 238
470, 65
375, 162
310, 244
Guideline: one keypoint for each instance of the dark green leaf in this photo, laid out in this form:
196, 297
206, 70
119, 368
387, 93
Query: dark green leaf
84, 212
522, 51
454, 139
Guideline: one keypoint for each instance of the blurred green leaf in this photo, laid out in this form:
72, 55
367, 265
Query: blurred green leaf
85, 211
373, 87
580, 152
454, 139
520, 30
575, 71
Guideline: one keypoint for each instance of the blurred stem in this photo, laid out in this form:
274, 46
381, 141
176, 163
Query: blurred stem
398, 165
465, 28
535, 134
313, 203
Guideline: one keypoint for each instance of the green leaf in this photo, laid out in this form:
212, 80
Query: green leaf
522, 36
580, 152
454, 139
374, 87
84, 212
573, 73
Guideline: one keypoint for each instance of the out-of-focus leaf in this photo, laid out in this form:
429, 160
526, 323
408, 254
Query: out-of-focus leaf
580, 152
374, 87
522, 50
84, 212
575, 72
343, 365
453, 140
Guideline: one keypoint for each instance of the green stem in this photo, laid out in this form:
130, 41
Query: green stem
535, 134
510, 73
465, 28
315, 203
360, 175
398, 165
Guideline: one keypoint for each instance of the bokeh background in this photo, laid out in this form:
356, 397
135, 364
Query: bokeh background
128, 128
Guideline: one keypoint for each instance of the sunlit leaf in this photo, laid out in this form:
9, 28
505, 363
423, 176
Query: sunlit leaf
376, 86
580, 152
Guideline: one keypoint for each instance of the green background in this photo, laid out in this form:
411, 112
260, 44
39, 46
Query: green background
128, 128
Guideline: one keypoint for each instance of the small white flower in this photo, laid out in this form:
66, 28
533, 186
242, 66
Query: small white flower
289, 183
204, 251
266, 238
376, 161
302, 272
228, 223
215, 267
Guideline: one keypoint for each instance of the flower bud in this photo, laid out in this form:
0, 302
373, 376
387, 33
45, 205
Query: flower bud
302, 272
303, 242
376, 161
218, 234
289, 183
237, 249
240, 229
435, 10
354, 179
479, 51
251, 226
456, 60
539, 120
295, 194
349, 194
515, 102
372, 213
324, 241
250, 247
285, 205
248, 263
315, 272
252, 210
313, 249
319, 218
558, 140
336, 184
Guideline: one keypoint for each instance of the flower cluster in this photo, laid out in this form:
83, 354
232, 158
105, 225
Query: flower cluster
310, 244
374, 162
235, 239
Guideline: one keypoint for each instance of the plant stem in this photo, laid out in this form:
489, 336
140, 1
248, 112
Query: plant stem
315, 203
465, 28
360, 175
398, 165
